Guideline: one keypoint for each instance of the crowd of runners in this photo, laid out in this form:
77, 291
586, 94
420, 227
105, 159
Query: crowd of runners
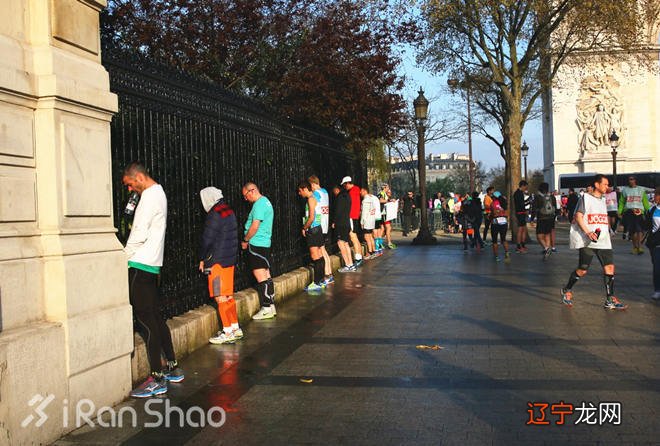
361, 224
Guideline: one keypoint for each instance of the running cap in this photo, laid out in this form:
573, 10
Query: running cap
497, 194
346, 180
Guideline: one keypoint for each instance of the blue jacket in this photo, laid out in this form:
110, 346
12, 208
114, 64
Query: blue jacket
220, 237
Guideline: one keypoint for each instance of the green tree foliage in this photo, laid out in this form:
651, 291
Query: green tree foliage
327, 62
510, 50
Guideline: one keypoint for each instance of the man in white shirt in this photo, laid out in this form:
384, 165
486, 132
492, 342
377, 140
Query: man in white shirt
590, 234
145, 248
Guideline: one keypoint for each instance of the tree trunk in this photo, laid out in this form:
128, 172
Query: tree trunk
513, 136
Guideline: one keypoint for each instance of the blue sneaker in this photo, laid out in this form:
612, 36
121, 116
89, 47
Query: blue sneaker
358, 263
328, 280
151, 387
173, 373
612, 303
314, 287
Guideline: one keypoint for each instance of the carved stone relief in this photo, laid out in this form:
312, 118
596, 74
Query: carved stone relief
600, 112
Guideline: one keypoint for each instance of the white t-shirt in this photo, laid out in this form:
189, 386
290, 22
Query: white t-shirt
595, 217
370, 207
146, 243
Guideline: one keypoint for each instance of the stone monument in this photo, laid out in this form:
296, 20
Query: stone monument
591, 98
65, 320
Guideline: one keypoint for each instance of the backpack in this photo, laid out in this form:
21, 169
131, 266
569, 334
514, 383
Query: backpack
546, 209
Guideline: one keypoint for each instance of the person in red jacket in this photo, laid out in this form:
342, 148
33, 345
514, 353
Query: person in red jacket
354, 193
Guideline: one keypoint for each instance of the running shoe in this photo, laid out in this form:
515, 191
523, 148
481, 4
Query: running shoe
554, 249
546, 254
640, 251
497, 259
314, 287
223, 338
153, 386
173, 373
566, 297
633, 251
264, 313
328, 280
655, 295
391, 246
347, 269
613, 303
358, 262
623, 236
238, 333
507, 257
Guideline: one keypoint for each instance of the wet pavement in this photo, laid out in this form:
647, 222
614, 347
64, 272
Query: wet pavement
344, 367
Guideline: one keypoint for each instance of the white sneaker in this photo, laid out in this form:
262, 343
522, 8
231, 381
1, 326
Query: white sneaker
223, 338
238, 333
264, 313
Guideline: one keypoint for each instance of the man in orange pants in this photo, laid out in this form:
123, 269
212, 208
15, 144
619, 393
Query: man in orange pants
218, 254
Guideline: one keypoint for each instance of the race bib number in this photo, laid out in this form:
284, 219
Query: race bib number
325, 210
500, 221
633, 199
597, 219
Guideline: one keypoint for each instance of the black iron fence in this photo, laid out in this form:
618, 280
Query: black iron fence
191, 134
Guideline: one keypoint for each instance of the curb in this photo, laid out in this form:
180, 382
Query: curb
193, 329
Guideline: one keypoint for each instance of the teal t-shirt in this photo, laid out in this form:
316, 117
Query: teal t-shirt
262, 210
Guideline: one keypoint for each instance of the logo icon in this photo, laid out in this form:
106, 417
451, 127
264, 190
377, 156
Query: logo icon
39, 410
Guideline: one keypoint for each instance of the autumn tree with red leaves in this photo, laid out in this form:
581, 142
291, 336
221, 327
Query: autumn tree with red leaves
327, 62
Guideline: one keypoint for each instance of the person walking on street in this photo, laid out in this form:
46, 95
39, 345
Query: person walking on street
354, 193
145, 248
257, 239
612, 203
571, 204
499, 225
520, 208
408, 210
488, 201
218, 253
313, 234
632, 206
653, 242
388, 219
590, 235
323, 198
341, 223
545, 217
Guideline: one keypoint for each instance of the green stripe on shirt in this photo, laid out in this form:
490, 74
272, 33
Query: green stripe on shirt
143, 267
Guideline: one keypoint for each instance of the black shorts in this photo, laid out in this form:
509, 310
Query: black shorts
315, 237
355, 226
367, 231
379, 224
521, 219
545, 226
605, 257
343, 233
496, 229
634, 223
258, 257
612, 214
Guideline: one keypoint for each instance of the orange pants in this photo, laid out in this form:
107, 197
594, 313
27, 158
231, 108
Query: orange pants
221, 281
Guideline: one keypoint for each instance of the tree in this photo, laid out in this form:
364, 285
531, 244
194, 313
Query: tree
510, 50
460, 178
326, 62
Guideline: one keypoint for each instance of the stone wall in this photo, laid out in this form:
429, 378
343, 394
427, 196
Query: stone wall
591, 98
64, 311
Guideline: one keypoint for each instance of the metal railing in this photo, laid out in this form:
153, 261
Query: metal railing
191, 134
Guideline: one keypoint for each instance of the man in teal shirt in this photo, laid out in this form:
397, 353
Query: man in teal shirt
257, 241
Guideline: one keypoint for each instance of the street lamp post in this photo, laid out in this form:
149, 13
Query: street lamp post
614, 143
421, 104
524, 150
455, 83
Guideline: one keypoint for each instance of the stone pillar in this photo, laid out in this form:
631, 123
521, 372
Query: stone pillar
65, 320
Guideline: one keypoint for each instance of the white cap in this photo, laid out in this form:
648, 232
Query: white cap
346, 180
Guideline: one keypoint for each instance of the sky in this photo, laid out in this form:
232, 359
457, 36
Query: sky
436, 91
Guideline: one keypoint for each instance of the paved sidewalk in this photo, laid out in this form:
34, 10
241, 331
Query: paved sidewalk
506, 341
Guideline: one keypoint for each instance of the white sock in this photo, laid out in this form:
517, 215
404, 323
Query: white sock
234, 326
227, 330
358, 256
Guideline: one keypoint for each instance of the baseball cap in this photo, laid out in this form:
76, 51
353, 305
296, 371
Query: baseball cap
497, 194
346, 180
